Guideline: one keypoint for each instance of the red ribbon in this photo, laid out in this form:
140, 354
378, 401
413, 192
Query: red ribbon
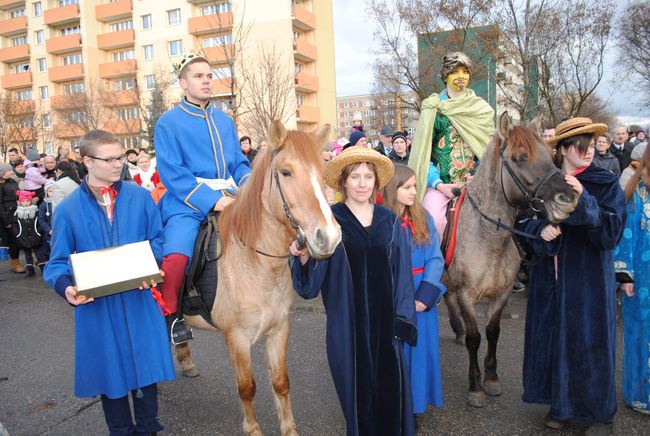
162, 306
407, 223
416, 271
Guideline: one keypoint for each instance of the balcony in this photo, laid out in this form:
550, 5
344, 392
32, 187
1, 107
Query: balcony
222, 87
123, 127
11, 4
306, 82
119, 39
219, 54
15, 53
66, 73
111, 70
209, 23
308, 114
17, 80
21, 107
304, 51
128, 97
63, 44
67, 130
62, 15
114, 11
13, 26
303, 19
68, 102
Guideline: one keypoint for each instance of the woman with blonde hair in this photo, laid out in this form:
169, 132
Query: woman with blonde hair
423, 360
632, 265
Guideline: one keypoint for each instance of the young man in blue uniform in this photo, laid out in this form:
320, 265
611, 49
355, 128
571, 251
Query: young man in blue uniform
201, 165
120, 339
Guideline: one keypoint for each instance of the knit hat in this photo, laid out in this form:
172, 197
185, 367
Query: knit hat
355, 136
398, 135
637, 152
48, 185
25, 195
33, 155
4, 167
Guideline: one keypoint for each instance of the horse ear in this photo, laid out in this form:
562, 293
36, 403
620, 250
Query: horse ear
277, 134
536, 124
321, 134
505, 125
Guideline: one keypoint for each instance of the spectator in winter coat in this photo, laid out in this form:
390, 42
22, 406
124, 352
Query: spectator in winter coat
147, 176
49, 167
34, 182
45, 211
603, 158
28, 233
400, 153
8, 205
621, 147
19, 172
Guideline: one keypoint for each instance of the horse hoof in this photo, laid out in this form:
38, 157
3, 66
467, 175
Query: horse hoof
191, 372
460, 340
476, 399
492, 388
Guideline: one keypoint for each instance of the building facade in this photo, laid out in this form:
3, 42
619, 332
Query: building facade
68, 65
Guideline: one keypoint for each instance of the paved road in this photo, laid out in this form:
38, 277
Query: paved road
36, 379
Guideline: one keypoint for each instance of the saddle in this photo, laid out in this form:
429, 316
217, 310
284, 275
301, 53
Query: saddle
200, 288
448, 245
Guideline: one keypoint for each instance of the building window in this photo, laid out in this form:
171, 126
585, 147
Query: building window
72, 59
20, 40
146, 22
122, 25
27, 122
70, 30
17, 13
38, 10
49, 148
123, 55
38, 37
128, 113
148, 51
74, 88
150, 81
44, 92
25, 94
174, 17
217, 41
68, 2
42, 66
346, 104
175, 47
300, 100
21, 68
217, 8
47, 120
221, 73
123, 85
75, 117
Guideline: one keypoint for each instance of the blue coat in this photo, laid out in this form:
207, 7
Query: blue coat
570, 339
367, 291
120, 340
192, 142
423, 360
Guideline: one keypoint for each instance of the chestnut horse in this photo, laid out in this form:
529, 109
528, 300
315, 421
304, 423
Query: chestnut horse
255, 291
516, 174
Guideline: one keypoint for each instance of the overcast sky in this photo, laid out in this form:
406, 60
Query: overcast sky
353, 44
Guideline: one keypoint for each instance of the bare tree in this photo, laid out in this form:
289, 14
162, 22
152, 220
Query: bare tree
85, 111
269, 92
157, 104
634, 42
20, 123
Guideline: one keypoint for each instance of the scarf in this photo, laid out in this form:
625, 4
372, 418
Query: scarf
145, 178
470, 115
26, 212
105, 196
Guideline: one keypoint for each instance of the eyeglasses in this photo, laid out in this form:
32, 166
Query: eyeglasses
110, 160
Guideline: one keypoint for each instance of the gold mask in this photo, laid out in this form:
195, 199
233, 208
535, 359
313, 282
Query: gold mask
458, 80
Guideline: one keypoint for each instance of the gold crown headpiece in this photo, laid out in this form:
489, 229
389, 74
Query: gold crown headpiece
187, 57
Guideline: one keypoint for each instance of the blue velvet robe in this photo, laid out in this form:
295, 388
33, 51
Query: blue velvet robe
193, 142
632, 263
423, 360
570, 339
121, 341
367, 291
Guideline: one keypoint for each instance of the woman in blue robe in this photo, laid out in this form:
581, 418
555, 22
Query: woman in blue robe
570, 338
367, 291
632, 263
423, 360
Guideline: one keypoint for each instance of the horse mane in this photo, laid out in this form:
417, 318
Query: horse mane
243, 218
520, 139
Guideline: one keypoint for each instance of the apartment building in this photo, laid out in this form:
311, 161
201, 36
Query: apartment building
71, 65
376, 111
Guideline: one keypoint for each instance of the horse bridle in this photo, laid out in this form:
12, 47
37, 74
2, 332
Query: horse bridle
534, 202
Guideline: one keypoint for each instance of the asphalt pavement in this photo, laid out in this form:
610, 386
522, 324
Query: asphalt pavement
36, 379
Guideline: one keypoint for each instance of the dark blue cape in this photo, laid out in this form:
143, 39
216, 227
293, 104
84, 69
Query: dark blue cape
367, 291
570, 341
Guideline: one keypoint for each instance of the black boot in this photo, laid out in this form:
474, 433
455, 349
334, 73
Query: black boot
518, 286
178, 330
30, 270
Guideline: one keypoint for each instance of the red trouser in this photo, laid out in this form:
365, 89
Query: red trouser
174, 266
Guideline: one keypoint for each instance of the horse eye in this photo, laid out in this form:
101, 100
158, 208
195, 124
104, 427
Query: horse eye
285, 173
520, 158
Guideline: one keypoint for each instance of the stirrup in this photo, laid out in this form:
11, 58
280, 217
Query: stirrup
181, 332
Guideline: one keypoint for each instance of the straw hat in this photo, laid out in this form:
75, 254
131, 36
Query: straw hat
352, 155
576, 126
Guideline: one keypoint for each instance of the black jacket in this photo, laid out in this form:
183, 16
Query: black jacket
607, 161
8, 202
624, 156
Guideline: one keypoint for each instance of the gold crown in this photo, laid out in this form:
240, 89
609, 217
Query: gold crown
178, 66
